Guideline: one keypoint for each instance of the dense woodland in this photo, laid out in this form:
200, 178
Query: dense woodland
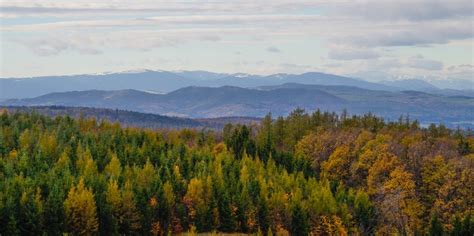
319, 174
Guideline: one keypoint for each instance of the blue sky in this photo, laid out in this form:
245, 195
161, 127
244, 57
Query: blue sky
375, 40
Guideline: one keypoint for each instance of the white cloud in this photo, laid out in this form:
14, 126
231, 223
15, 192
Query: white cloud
350, 53
58, 8
463, 71
407, 10
356, 32
420, 62
161, 21
273, 49
52, 47
410, 34
386, 68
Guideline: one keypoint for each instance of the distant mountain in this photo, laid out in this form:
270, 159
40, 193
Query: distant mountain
424, 86
192, 101
135, 119
328, 79
158, 81
455, 84
165, 81
208, 102
455, 92
201, 75
411, 84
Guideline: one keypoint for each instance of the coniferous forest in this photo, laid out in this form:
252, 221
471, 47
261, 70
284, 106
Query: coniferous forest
318, 174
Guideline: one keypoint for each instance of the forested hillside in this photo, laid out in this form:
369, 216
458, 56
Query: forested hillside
131, 118
319, 173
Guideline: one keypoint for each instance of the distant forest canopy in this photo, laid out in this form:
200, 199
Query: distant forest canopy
132, 118
319, 173
155, 121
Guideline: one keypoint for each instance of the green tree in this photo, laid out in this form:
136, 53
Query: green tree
365, 213
436, 228
54, 211
129, 220
31, 213
265, 139
299, 221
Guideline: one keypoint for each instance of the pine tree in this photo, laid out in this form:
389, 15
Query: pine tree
436, 228
457, 227
299, 221
365, 213
31, 213
467, 225
227, 223
129, 222
12, 226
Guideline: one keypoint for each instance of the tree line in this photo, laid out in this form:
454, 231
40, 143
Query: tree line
304, 174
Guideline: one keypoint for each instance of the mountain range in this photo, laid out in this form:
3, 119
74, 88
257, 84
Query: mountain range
168, 81
211, 102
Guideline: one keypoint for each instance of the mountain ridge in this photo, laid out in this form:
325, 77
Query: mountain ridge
166, 81
209, 102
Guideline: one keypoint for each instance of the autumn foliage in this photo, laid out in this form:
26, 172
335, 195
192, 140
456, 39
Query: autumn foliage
318, 174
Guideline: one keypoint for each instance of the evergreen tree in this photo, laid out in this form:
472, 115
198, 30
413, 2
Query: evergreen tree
467, 225
436, 228
226, 215
457, 227
365, 213
299, 221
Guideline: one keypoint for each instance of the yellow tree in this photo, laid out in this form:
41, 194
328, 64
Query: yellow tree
146, 175
455, 196
337, 167
86, 165
48, 146
329, 226
26, 140
123, 208
113, 196
399, 207
380, 171
194, 199
374, 150
434, 173
314, 149
81, 211
113, 169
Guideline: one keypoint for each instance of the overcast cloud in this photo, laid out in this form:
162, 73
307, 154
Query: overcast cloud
415, 38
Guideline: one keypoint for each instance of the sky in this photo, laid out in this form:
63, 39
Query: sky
371, 39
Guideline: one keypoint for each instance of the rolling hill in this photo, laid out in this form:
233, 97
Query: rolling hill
211, 102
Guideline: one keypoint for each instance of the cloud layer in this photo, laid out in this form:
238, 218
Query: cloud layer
353, 32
